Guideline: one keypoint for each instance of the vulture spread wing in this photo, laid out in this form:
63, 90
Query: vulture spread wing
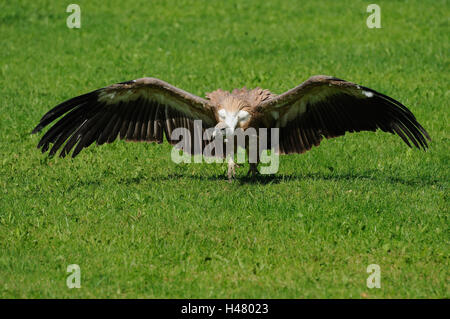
325, 106
138, 110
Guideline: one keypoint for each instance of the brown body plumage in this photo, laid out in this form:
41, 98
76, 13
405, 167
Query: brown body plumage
148, 109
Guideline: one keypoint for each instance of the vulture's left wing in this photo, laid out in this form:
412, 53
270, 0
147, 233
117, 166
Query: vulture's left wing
139, 110
327, 106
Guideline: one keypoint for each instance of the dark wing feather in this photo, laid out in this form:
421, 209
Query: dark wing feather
139, 110
325, 106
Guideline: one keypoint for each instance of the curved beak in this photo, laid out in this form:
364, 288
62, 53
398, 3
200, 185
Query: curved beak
223, 129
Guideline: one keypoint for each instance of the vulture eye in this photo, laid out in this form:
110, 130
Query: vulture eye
222, 114
243, 115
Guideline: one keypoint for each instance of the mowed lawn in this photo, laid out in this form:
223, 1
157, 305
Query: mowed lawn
141, 226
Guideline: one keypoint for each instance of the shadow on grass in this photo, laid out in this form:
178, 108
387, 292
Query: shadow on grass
371, 175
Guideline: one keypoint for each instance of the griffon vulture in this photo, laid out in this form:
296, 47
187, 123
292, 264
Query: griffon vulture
146, 109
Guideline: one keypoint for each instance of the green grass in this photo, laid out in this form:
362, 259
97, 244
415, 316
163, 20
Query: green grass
141, 226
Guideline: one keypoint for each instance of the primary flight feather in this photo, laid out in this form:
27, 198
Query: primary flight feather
147, 109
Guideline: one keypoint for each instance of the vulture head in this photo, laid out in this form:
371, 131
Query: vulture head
232, 112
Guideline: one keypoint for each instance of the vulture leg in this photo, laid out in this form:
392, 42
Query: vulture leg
231, 169
253, 170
